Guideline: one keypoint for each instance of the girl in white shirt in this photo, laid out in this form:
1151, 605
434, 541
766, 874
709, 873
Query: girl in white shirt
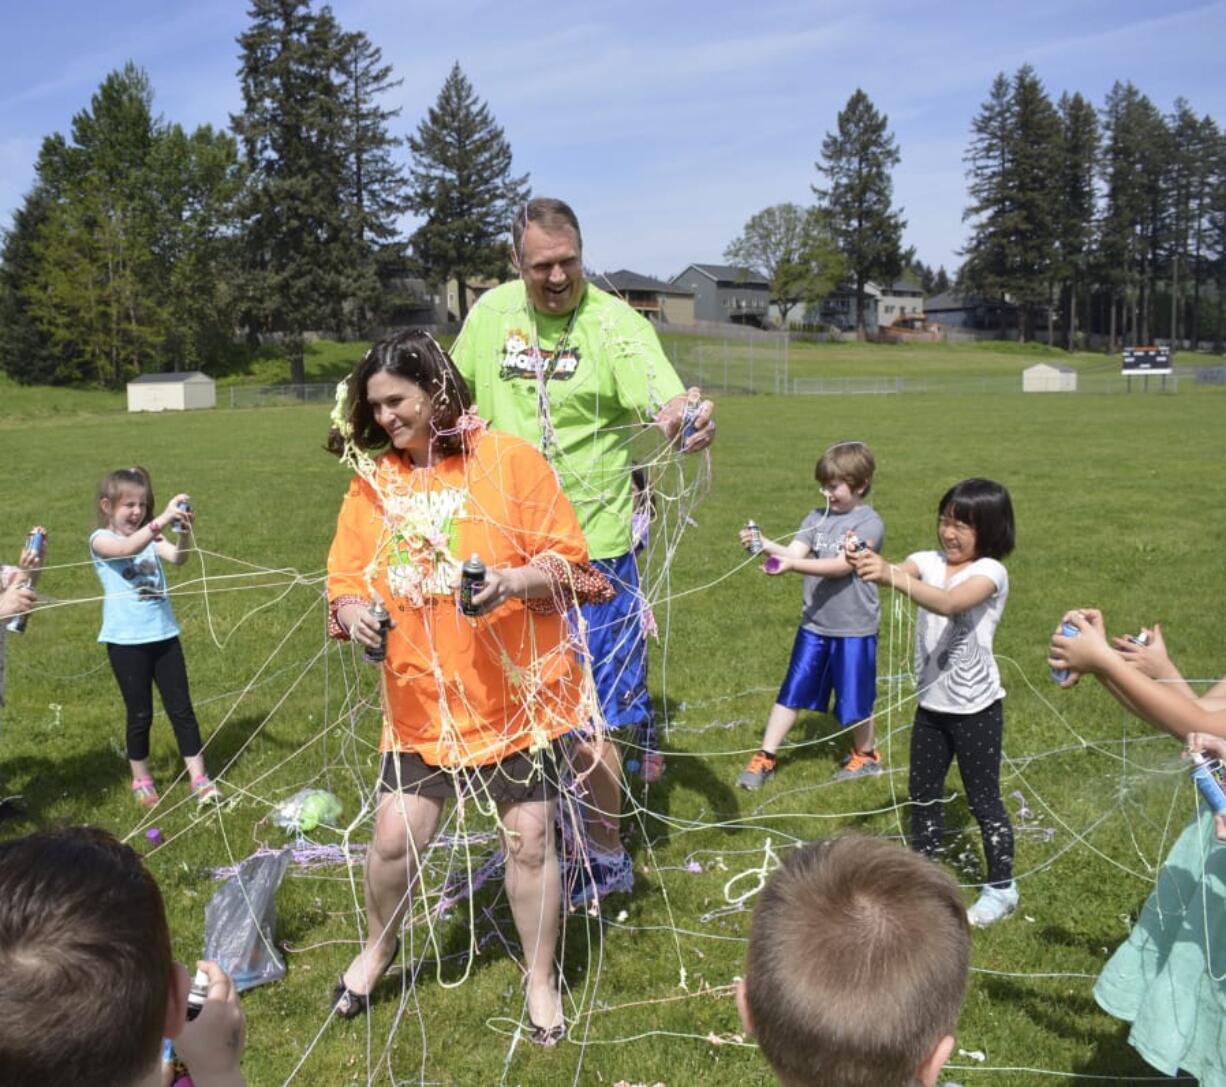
961, 591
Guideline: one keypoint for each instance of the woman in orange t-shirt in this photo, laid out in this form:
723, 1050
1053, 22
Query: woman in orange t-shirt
473, 707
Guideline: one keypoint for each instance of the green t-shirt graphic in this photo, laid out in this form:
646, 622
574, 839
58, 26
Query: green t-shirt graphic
600, 374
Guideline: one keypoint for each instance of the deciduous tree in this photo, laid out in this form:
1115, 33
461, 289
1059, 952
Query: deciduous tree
794, 248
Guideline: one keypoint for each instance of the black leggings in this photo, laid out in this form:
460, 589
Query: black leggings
975, 738
137, 668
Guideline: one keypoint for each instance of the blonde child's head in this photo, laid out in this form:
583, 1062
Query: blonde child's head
847, 462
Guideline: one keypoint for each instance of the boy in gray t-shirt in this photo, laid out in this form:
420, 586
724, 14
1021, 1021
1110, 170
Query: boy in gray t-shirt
835, 651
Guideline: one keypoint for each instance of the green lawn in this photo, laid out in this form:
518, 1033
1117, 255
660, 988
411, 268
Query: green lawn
1094, 480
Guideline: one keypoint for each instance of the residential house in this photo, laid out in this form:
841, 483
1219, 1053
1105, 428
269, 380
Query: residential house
882, 306
954, 309
723, 293
660, 302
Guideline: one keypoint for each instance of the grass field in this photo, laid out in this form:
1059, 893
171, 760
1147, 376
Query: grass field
1120, 503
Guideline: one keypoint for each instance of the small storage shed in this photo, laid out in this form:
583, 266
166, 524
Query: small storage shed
172, 392
1043, 377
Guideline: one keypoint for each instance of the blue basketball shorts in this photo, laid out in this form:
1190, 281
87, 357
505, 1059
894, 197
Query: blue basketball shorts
618, 646
824, 663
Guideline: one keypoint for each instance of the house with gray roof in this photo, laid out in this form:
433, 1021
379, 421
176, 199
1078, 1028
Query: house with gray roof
660, 302
740, 296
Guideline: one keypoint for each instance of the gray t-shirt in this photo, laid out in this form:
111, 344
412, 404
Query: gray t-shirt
843, 607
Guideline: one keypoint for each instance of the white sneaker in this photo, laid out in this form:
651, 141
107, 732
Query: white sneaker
994, 904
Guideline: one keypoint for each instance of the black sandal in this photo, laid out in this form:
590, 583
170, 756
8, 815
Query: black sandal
546, 1037
347, 1004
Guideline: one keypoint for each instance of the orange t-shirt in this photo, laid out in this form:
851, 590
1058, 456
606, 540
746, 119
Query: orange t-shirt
461, 691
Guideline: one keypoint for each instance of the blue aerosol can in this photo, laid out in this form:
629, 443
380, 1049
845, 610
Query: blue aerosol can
472, 581
36, 542
1205, 773
1060, 675
689, 420
379, 613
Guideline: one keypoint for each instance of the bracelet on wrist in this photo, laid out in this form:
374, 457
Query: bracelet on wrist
156, 529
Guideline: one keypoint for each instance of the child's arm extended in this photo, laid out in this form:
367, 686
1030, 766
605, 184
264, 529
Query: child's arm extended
1163, 705
111, 545
794, 559
905, 578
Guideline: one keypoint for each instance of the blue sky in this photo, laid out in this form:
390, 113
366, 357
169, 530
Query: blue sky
666, 125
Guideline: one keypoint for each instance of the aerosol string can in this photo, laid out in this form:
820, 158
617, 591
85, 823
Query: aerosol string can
379, 654
1141, 639
1059, 675
1205, 774
755, 537
181, 526
472, 581
36, 541
198, 995
689, 418
853, 545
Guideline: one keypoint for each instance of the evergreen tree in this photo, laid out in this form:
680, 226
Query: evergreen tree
1208, 163
793, 248
292, 131
1076, 204
26, 351
1013, 159
857, 159
987, 266
375, 187
1133, 166
463, 187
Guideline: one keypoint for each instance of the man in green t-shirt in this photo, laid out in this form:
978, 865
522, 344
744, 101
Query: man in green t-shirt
577, 372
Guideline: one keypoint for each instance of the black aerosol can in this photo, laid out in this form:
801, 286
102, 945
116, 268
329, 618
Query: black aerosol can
472, 581
378, 654
36, 542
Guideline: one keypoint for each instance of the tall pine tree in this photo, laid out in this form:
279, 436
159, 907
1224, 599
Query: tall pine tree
375, 189
27, 353
1076, 205
1013, 159
292, 133
463, 187
857, 159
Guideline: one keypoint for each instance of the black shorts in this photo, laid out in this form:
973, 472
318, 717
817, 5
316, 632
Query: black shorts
520, 778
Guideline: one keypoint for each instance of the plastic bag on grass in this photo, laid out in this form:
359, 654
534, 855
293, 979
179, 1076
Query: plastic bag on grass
306, 809
240, 921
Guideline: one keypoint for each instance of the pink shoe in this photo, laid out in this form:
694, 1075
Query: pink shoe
145, 792
205, 791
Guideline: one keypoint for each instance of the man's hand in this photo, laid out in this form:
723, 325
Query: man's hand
686, 420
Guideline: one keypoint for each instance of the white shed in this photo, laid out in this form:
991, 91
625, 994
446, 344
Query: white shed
172, 392
1046, 378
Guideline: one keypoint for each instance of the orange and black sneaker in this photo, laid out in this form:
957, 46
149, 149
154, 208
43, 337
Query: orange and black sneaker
860, 764
761, 769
